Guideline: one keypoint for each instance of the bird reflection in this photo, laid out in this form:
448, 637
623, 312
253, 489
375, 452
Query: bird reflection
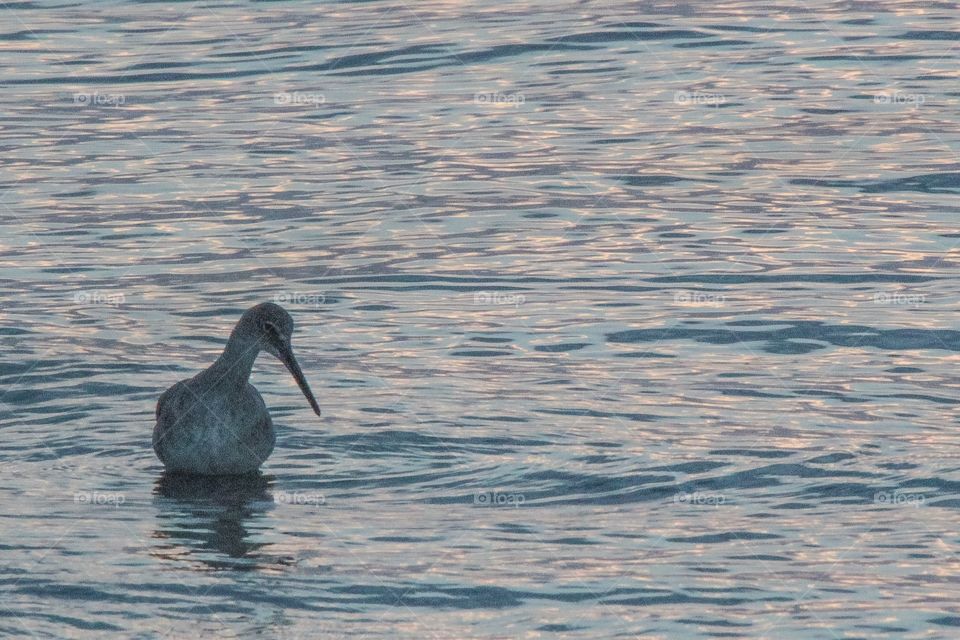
208, 519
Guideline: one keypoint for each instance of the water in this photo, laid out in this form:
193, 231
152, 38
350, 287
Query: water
627, 318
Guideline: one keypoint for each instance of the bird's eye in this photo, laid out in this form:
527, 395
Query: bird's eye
272, 330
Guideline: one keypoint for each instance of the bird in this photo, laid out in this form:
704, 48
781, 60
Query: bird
216, 422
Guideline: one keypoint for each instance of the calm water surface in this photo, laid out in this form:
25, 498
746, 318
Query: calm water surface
628, 319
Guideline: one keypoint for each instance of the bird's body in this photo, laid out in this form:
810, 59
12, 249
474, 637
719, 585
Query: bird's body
216, 423
220, 434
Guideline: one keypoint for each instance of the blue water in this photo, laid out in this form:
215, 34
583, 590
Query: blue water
628, 319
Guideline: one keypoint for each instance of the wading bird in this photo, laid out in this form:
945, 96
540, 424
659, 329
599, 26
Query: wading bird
216, 423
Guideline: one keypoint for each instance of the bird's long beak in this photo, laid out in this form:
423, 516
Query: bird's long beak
286, 357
